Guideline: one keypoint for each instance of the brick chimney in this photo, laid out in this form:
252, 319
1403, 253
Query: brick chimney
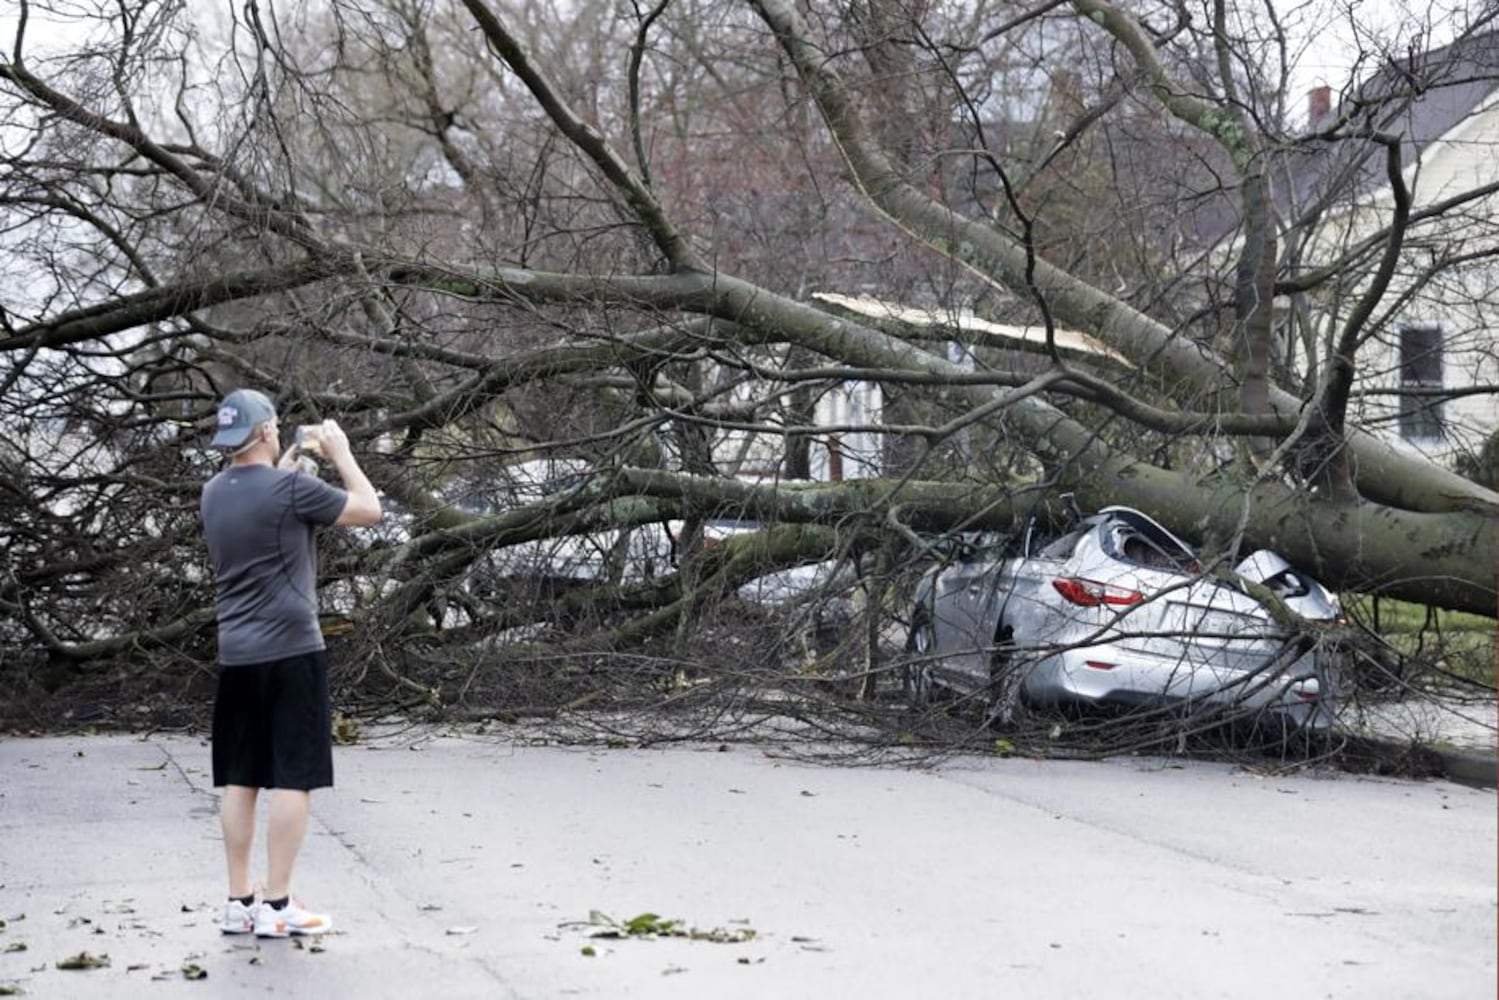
1318, 106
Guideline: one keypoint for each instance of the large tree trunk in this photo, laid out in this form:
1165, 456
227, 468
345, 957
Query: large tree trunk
1441, 557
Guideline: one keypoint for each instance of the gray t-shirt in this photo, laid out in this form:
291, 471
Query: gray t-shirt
259, 522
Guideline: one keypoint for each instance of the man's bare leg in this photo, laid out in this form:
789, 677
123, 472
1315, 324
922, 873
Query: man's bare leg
237, 819
284, 833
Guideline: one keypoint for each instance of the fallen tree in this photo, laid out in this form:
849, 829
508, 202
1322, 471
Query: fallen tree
477, 277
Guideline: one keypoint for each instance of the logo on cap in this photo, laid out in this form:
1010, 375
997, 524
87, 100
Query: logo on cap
227, 416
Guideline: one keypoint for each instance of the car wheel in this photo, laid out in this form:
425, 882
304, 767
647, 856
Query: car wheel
916, 673
1004, 679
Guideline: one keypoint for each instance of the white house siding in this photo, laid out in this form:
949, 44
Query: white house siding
1463, 302
845, 443
849, 454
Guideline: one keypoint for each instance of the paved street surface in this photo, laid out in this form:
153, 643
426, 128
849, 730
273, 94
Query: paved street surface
468, 867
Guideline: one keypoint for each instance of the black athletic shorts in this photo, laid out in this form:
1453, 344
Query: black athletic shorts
272, 726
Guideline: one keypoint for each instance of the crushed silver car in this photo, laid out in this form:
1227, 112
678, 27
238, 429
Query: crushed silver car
1115, 611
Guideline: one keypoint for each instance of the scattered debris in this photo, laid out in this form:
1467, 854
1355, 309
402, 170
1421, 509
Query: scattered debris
345, 730
651, 925
83, 960
193, 970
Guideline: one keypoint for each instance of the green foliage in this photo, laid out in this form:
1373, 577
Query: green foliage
1463, 645
1404, 617
651, 925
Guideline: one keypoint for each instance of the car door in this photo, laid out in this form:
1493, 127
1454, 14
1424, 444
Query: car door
962, 591
1000, 592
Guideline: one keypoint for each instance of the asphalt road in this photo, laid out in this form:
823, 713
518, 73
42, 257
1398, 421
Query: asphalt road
468, 867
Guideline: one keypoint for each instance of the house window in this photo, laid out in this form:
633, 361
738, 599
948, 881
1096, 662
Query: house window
1420, 369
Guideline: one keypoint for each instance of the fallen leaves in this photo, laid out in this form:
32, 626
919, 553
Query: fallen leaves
651, 925
84, 960
345, 730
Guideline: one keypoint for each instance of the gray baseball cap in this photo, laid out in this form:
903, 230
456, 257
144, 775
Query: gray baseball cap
240, 413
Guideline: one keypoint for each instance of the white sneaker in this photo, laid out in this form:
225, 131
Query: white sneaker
290, 919
238, 918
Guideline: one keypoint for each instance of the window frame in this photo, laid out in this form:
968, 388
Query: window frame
1420, 418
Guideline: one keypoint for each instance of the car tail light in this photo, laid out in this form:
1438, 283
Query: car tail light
1099, 664
1091, 593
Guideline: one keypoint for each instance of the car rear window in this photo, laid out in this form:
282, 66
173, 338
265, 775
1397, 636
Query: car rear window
1060, 548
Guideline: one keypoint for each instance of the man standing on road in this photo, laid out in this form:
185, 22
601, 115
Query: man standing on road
271, 716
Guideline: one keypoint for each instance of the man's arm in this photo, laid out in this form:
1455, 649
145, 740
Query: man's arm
362, 509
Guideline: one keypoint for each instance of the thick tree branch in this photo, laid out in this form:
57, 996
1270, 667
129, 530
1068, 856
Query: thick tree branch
1384, 474
167, 302
642, 201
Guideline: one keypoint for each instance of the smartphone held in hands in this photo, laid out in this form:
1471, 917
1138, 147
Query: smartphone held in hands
307, 447
309, 439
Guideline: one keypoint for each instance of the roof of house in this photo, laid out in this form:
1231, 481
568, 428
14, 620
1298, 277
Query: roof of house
1420, 97
1031, 338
